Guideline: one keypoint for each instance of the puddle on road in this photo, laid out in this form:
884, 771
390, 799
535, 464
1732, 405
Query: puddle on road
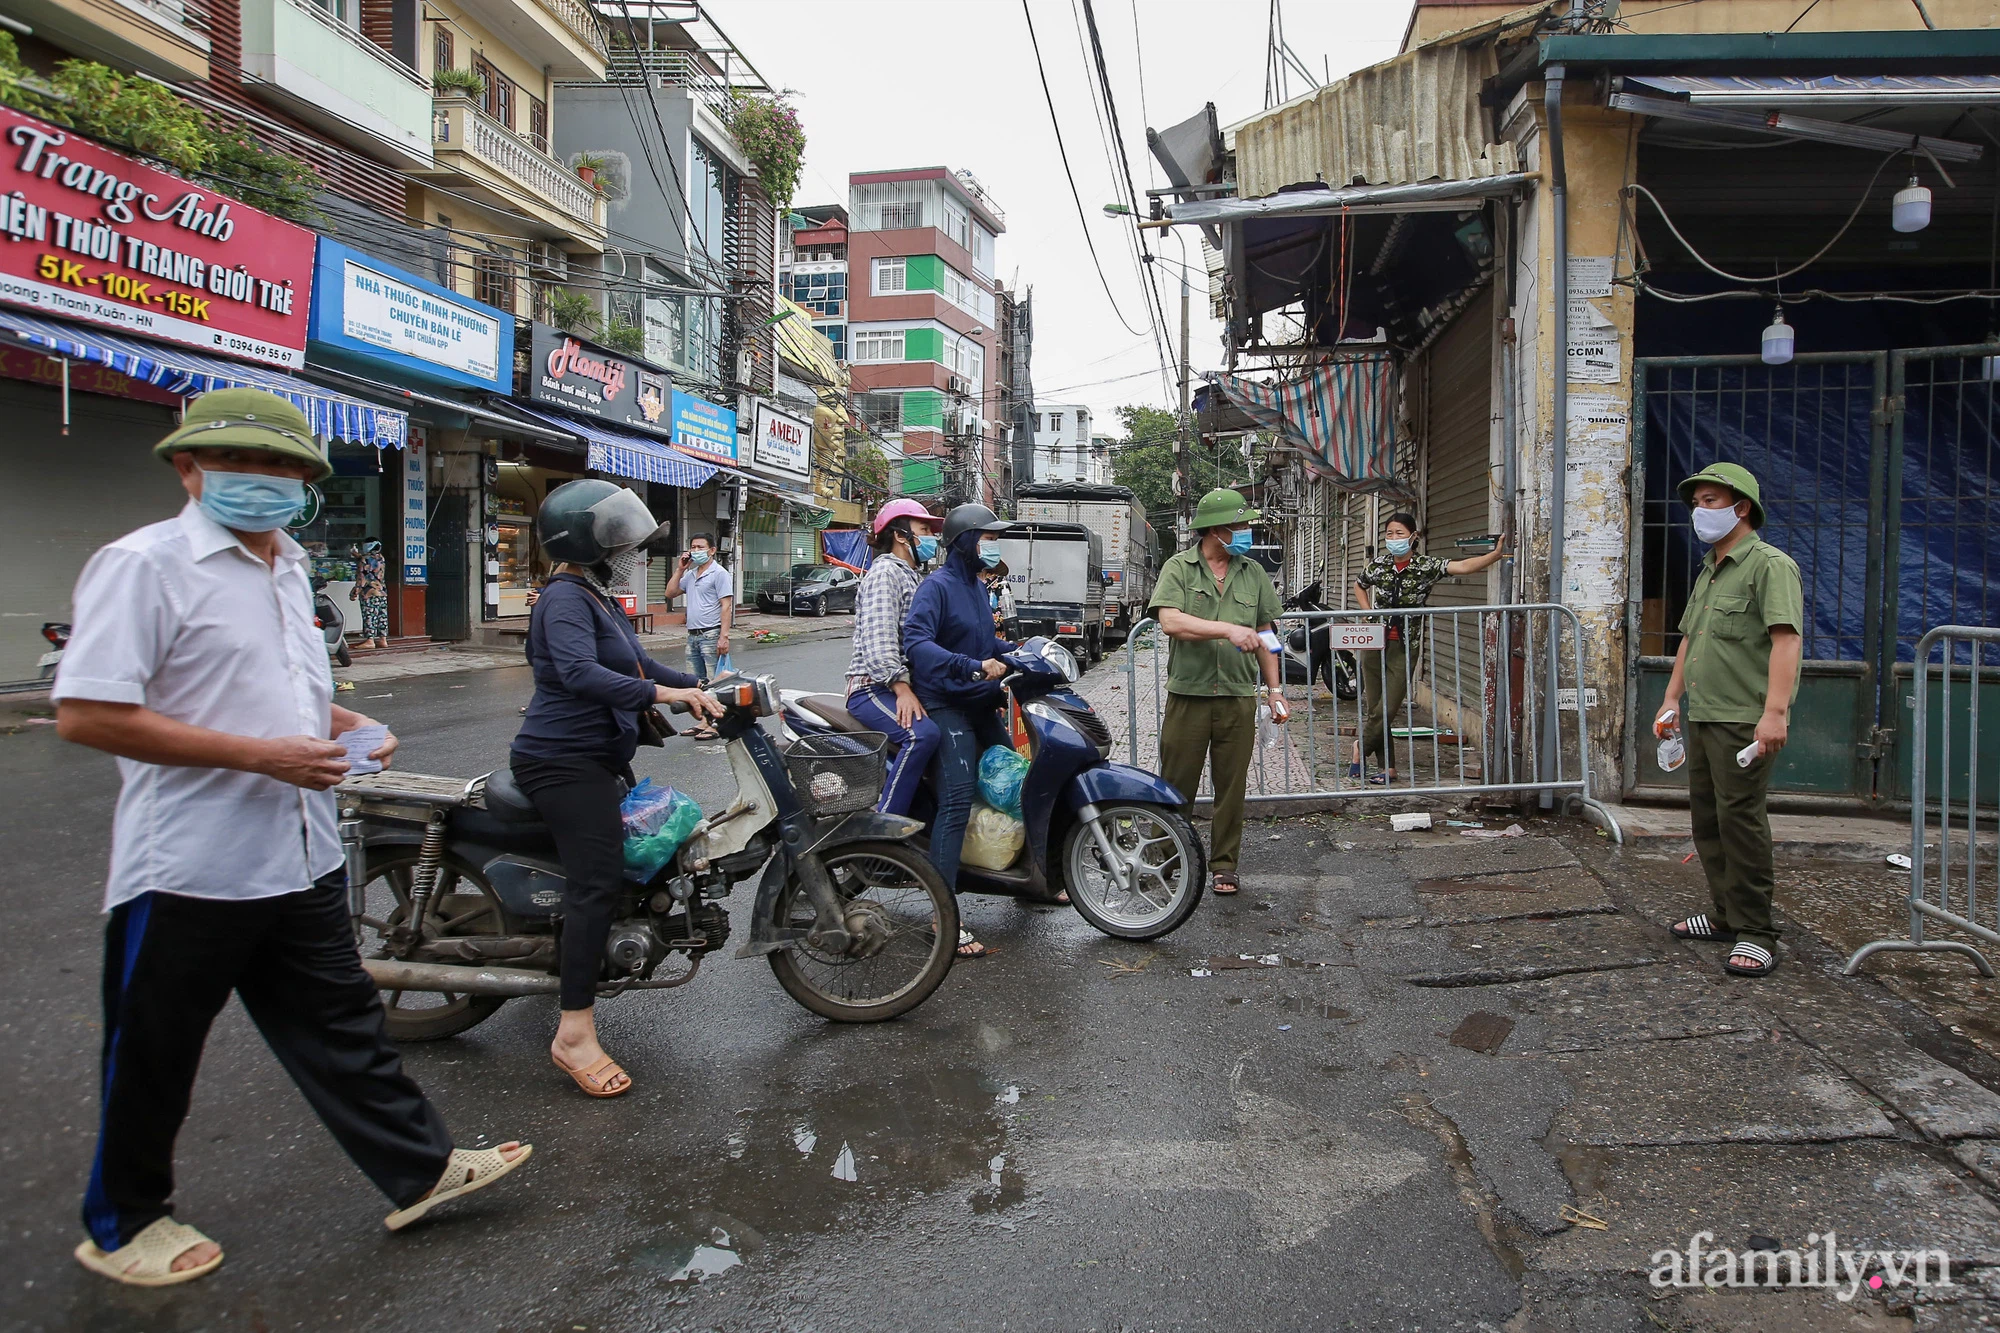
713, 1244
823, 1161
1293, 1004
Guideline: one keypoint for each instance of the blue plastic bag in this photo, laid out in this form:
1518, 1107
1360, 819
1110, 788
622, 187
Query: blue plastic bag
657, 821
1001, 772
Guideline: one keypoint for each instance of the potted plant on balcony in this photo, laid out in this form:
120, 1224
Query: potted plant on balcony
587, 165
467, 83
774, 140
573, 312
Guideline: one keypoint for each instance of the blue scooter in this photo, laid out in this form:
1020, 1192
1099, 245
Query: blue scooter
1111, 835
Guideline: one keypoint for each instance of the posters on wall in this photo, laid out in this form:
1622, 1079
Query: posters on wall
1594, 551
103, 239
1596, 355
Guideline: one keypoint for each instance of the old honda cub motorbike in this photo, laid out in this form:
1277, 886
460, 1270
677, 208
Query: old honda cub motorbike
456, 888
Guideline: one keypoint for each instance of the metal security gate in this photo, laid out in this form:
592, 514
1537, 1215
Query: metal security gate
1878, 478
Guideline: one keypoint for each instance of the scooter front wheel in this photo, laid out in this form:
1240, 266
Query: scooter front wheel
1153, 880
893, 884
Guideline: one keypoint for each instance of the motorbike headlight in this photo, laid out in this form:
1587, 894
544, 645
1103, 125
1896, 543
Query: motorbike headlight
1051, 715
1062, 660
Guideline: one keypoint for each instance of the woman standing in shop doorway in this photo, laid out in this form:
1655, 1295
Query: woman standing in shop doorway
371, 589
1398, 577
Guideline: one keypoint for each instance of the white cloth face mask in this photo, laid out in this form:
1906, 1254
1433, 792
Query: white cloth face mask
1712, 525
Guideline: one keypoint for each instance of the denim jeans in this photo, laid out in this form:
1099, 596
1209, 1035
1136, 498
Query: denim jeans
964, 735
874, 706
702, 654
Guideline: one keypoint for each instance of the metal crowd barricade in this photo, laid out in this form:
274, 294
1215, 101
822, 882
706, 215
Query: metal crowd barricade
1469, 721
1951, 896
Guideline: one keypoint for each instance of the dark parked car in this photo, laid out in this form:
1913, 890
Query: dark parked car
811, 590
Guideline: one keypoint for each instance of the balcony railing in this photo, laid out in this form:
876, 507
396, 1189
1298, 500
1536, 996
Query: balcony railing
190, 14
341, 32
674, 69
462, 125
582, 23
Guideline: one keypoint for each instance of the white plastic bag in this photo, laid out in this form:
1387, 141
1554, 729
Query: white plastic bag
993, 838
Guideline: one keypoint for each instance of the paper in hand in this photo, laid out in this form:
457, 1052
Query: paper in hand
362, 741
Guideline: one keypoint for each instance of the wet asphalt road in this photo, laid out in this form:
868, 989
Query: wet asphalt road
1049, 1143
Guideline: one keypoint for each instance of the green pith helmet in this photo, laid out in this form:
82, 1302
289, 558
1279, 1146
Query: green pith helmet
247, 419
1737, 478
1223, 508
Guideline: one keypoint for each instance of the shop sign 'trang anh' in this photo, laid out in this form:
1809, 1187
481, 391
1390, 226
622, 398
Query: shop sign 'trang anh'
97, 237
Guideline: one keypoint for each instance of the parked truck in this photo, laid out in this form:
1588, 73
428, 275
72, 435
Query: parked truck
1115, 515
1056, 571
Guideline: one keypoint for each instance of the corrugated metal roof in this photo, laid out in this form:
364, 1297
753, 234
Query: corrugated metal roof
1829, 90
1414, 118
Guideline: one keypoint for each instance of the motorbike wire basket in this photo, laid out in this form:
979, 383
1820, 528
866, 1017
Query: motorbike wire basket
836, 775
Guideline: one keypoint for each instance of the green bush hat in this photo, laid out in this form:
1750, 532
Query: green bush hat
1223, 508
1737, 478
247, 419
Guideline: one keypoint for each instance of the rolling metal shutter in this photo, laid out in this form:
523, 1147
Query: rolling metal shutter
1458, 477
66, 496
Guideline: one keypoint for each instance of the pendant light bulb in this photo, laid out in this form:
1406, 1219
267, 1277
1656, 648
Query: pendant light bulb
1911, 208
1777, 340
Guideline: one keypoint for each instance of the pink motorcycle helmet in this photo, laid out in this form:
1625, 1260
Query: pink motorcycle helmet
896, 509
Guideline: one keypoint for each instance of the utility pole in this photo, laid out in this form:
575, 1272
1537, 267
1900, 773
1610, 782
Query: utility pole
1183, 452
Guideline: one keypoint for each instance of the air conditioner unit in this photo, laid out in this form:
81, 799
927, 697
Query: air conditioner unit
546, 262
954, 384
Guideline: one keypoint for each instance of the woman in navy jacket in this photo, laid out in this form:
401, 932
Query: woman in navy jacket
573, 755
955, 669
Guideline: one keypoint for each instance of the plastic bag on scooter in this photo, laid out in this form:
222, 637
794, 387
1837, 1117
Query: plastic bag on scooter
646, 807
672, 816
993, 838
1001, 772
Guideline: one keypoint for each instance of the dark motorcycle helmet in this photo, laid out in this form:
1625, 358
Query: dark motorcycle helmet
587, 522
971, 518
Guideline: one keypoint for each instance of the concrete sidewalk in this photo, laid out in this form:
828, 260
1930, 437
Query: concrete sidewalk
1862, 836
1677, 1100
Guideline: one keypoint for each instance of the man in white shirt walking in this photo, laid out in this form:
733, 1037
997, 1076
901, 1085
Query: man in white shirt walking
196, 661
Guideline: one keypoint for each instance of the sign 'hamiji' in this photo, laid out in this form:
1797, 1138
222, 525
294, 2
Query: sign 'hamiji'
94, 236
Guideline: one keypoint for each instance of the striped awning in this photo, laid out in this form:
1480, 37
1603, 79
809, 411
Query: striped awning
628, 454
1341, 414
188, 373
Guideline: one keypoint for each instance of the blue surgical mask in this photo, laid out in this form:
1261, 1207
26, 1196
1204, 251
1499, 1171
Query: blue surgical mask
1398, 546
1239, 542
989, 554
698, 557
926, 549
251, 501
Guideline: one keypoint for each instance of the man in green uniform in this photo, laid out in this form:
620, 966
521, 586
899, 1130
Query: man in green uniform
1738, 668
1212, 599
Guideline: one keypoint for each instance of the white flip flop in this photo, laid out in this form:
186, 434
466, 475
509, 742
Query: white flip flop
147, 1260
474, 1169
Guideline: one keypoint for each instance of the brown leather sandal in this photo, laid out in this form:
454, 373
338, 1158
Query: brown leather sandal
595, 1080
1225, 882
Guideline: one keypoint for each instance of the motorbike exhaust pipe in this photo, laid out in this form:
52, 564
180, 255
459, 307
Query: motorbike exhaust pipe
455, 979
391, 974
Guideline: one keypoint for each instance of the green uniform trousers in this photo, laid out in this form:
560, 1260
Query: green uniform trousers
1732, 830
1220, 731
1382, 701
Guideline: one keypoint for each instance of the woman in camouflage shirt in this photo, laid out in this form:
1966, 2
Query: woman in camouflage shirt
1396, 577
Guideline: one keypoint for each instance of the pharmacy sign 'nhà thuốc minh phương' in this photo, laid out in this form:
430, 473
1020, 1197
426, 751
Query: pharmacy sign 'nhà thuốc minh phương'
94, 236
